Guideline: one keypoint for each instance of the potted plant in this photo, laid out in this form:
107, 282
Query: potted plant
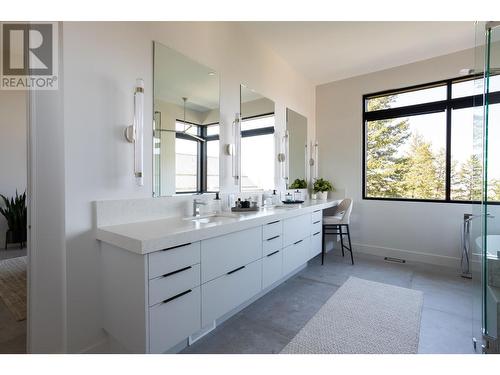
15, 213
298, 184
321, 187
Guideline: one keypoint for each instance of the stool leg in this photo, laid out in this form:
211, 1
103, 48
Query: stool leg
323, 246
341, 239
350, 245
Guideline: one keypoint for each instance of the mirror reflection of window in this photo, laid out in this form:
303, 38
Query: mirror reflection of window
197, 161
257, 151
186, 125
212, 157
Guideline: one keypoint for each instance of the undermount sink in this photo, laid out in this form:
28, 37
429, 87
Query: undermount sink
212, 218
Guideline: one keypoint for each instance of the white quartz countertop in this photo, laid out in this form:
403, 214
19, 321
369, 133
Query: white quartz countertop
148, 236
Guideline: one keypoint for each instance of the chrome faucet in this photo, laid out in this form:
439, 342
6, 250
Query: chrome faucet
196, 206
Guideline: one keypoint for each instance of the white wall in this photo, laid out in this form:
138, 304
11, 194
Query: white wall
426, 232
13, 141
101, 63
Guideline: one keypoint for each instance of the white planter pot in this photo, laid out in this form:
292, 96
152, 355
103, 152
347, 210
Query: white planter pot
322, 195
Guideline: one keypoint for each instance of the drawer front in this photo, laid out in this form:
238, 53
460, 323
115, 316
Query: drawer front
272, 244
295, 255
174, 321
222, 254
296, 228
223, 294
316, 244
272, 229
174, 283
272, 268
169, 260
316, 216
316, 227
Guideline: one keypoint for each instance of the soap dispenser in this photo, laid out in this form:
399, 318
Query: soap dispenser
217, 205
275, 198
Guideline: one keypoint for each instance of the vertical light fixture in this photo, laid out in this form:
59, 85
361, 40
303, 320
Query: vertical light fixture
135, 133
236, 150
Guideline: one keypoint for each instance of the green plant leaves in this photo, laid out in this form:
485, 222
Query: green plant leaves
15, 212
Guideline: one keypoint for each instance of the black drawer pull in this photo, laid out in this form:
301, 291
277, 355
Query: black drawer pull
177, 296
175, 247
273, 222
236, 270
274, 252
273, 238
316, 222
315, 234
317, 211
174, 272
295, 243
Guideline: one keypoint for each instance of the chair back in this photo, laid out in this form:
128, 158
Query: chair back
343, 210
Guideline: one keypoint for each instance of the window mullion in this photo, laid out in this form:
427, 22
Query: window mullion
448, 142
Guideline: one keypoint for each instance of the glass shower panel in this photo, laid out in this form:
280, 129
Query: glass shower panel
491, 223
476, 224
487, 145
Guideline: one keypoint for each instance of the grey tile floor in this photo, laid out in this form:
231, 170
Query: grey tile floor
268, 324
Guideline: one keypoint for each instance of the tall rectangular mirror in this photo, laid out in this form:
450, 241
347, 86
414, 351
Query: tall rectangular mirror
296, 126
185, 126
257, 141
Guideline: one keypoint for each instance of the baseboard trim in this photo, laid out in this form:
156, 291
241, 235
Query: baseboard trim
408, 255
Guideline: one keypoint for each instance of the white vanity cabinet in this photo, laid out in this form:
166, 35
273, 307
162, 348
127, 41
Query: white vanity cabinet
153, 302
316, 233
272, 246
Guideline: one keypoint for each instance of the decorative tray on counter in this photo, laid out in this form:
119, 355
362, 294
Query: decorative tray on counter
240, 209
292, 202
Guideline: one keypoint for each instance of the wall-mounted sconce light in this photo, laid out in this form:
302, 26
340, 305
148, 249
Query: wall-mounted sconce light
283, 155
135, 132
234, 149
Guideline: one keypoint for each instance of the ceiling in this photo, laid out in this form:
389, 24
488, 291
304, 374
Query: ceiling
177, 76
330, 51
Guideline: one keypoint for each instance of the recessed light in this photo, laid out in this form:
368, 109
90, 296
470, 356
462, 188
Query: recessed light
211, 73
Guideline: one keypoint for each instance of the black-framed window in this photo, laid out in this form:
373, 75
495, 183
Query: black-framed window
419, 143
257, 152
196, 162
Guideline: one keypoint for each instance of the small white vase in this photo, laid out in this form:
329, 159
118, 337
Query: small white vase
322, 195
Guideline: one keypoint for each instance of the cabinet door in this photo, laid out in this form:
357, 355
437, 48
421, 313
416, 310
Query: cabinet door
316, 244
272, 229
174, 258
225, 253
173, 321
295, 255
296, 229
227, 292
272, 268
176, 282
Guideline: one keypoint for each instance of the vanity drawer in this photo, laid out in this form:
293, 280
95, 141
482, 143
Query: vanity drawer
174, 283
272, 244
316, 227
173, 321
296, 228
272, 229
317, 216
316, 244
227, 292
225, 253
172, 259
295, 255
272, 268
